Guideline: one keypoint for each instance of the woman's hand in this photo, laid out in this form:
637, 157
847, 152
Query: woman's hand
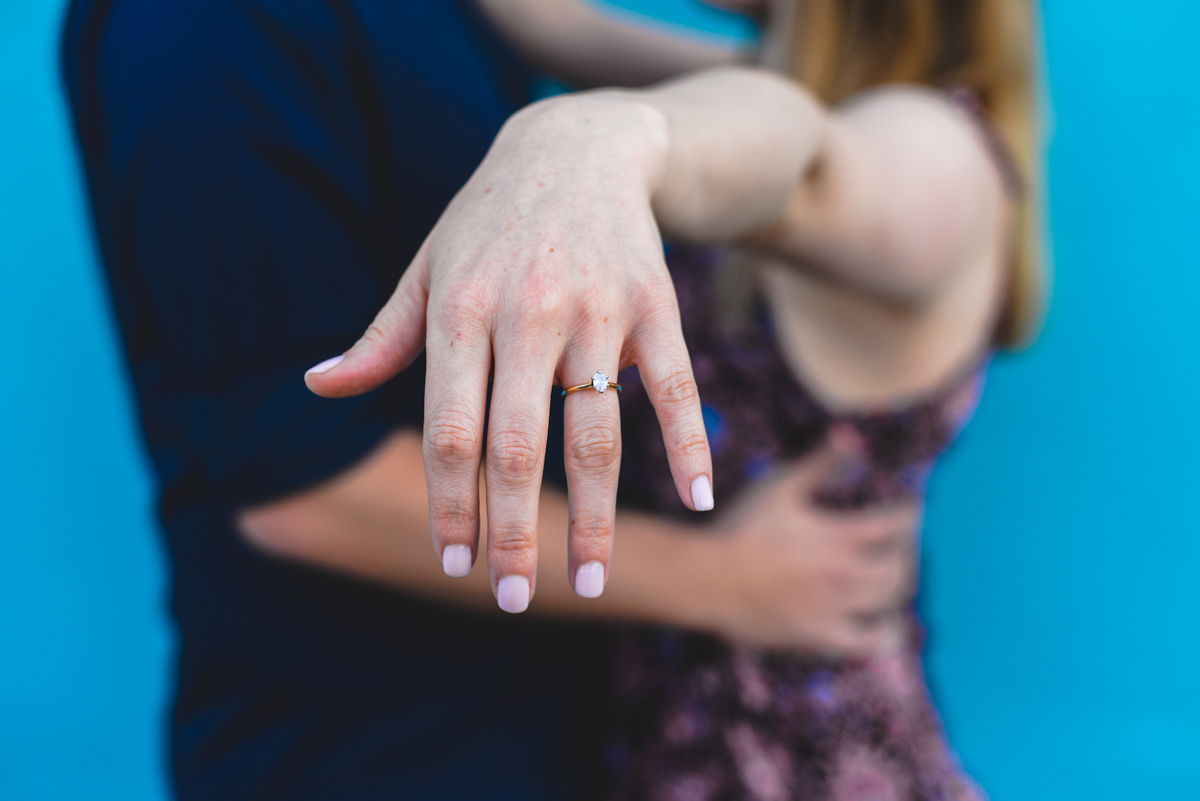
546, 267
796, 576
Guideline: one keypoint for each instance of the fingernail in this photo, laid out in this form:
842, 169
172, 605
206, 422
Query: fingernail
325, 366
456, 560
512, 593
589, 580
702, 497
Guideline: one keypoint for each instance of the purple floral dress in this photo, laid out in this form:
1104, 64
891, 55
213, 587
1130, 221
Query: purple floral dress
700, 719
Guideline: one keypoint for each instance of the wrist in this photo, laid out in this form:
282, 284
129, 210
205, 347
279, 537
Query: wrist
612, 134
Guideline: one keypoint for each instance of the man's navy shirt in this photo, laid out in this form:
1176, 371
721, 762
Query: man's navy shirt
260, 173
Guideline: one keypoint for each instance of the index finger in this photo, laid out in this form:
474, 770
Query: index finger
458, 348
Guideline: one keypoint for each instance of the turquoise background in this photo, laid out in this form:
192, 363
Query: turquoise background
1061, 546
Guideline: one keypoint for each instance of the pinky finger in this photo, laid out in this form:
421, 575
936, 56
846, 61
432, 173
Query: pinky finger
666, 372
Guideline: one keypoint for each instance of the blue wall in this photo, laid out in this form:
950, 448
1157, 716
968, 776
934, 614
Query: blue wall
83, 641
1063, 536
1061, 541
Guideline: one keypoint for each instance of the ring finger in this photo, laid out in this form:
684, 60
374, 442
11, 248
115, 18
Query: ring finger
593, 463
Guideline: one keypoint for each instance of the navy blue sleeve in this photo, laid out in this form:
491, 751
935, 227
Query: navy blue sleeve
247, 211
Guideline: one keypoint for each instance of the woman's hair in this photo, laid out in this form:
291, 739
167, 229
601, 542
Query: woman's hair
840, 47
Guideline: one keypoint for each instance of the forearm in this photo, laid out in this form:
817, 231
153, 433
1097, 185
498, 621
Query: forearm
740, 144
894, 194
372, 523
720, 154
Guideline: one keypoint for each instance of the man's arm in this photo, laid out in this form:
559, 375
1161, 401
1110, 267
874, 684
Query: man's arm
585, 47
772, 571
373, 522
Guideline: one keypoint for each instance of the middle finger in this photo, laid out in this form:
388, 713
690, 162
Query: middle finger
516, 450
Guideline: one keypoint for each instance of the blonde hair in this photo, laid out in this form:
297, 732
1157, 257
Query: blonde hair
840, 47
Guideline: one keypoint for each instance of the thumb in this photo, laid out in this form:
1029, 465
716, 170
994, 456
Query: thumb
391, 343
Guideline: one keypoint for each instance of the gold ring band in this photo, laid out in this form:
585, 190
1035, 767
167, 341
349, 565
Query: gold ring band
599, 383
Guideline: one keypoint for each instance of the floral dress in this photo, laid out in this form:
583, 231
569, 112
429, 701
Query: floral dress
697, 718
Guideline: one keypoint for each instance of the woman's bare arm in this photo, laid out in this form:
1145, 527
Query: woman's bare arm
894, 193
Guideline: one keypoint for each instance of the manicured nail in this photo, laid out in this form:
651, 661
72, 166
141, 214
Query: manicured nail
325, 366
702, 499
456, 560
589, 580
512, 593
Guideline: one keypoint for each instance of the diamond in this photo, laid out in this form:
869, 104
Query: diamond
599, 381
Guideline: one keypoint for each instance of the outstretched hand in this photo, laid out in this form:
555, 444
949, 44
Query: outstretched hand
546, 267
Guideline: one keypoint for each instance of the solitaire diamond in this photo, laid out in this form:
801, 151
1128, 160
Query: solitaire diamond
599, 381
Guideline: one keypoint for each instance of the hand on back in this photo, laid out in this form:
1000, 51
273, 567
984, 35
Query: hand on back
797, 576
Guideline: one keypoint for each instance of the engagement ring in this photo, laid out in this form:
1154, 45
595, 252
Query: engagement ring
599, 383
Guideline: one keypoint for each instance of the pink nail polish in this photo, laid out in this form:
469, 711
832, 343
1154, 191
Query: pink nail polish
325, 366
456, 560
589, 580
702, 495
512, 593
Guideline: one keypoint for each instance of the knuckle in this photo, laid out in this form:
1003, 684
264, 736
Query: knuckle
592, 530
870, 621
881, 528
862, 645
514, 456
901, 517
693, 443
896, 568
542, 297
848, 637
448, 512
904, 586
653, 294
677, 387
379, 333
595, 449
884, 547
512, 540
452, 443
591, 315
466, 305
